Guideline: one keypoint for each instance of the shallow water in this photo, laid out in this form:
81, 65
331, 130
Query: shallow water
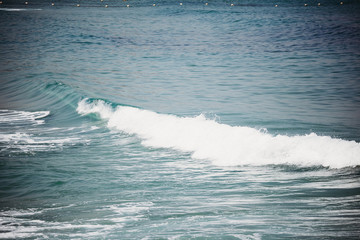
179, 121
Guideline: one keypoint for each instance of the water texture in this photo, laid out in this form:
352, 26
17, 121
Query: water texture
179, 119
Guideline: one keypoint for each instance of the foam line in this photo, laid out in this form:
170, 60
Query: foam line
12, 116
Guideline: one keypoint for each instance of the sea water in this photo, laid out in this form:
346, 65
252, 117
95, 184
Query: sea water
139, 119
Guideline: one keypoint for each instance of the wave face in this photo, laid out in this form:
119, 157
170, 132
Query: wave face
223, 144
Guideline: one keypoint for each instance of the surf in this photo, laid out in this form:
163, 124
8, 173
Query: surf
222, 144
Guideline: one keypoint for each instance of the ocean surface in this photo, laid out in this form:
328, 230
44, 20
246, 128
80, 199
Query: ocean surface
139, 119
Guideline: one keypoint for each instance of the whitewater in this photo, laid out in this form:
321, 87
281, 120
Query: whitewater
179, 120
223, 144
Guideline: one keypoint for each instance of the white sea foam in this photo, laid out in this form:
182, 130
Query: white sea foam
22, 117
16, 225
25, 142
223, 144
24, 138
22, 131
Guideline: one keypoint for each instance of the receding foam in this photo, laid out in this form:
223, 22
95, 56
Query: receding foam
12, 116
223, 144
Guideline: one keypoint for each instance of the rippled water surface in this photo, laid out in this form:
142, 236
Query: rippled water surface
183, 120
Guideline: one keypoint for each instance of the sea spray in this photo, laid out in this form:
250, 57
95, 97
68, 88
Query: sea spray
224, 144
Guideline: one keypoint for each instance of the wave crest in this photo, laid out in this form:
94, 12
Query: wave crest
223, 144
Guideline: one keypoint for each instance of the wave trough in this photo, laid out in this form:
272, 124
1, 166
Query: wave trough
223, 144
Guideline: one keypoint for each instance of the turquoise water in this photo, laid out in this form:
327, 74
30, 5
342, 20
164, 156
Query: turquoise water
174, 121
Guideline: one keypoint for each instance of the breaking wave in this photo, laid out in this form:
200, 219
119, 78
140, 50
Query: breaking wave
223, 144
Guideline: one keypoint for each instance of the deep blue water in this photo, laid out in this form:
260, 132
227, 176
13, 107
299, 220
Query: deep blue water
183, 120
